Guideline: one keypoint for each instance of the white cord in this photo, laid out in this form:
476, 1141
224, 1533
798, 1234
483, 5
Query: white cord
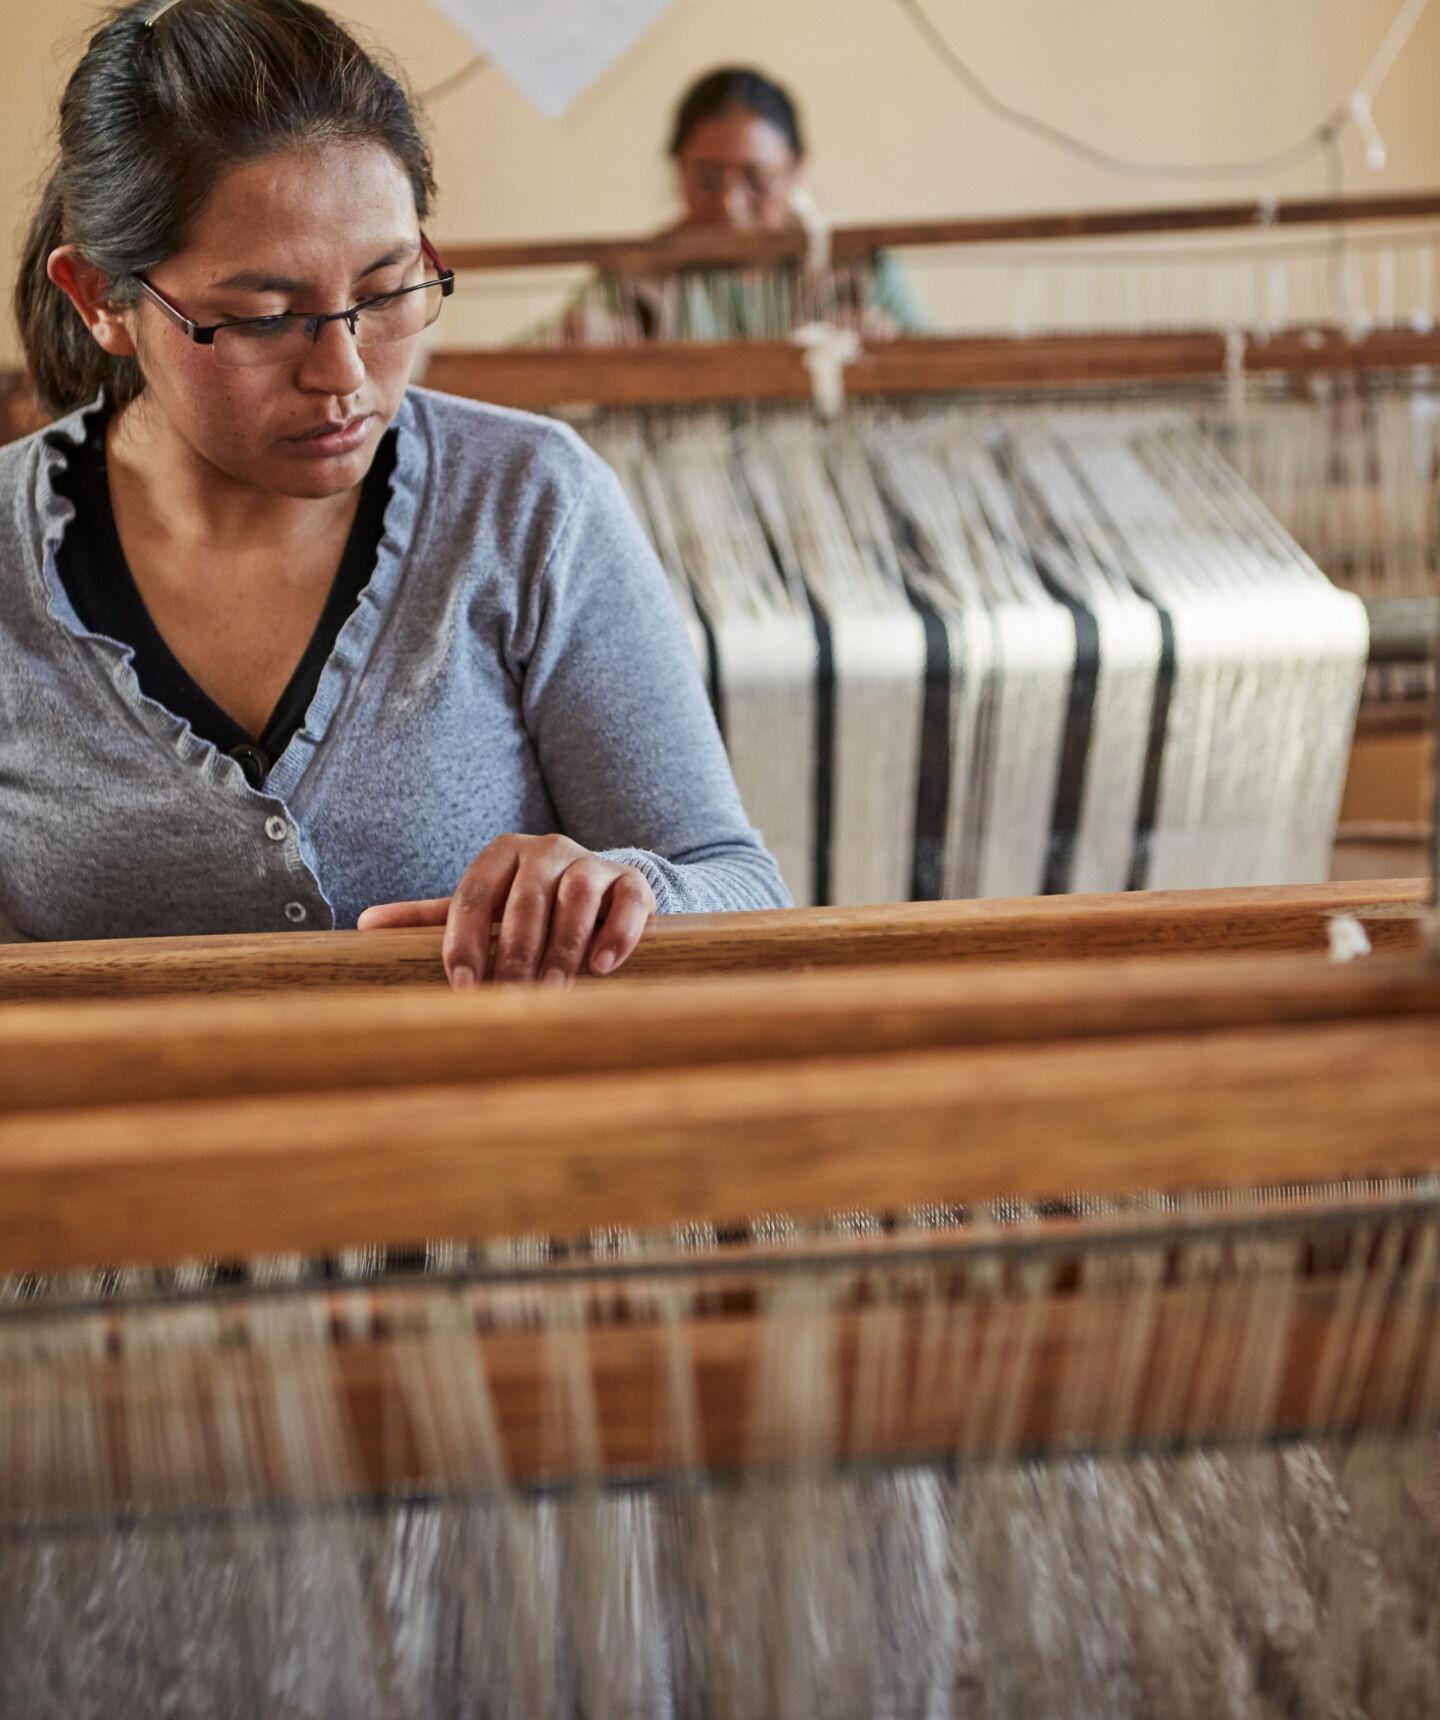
1355, 109
817, 229
826, 351
1389, 50
447, 86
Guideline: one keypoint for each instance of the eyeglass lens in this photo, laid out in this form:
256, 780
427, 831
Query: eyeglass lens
282, 339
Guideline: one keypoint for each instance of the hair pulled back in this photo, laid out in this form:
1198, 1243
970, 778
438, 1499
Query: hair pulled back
151, 118
736, 89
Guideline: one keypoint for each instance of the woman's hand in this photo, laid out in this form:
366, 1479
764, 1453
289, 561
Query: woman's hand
552, 901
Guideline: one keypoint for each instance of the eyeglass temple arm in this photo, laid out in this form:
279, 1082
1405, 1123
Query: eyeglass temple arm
447, 274
201, 336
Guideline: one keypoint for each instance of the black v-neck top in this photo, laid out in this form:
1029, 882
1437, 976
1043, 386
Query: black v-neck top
97, 579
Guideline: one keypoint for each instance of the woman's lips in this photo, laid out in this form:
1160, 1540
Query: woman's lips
329, 440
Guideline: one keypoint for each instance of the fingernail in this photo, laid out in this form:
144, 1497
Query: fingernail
462, 977
553, 976
602, 961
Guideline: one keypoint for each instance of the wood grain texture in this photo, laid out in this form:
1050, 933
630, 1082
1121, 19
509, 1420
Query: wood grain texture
66, 1055
664, 253
697, 372
311, 1172
1270, 919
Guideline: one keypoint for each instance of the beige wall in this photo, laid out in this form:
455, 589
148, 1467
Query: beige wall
891, 133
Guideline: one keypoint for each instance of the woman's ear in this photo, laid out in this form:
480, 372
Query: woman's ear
86, 288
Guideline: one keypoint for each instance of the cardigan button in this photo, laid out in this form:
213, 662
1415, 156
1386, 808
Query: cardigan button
276, 828
252, 761
295, 912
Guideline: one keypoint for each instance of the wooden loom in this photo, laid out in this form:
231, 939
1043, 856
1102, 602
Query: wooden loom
659, 373
1384, 801
744, 1066
1091, 1201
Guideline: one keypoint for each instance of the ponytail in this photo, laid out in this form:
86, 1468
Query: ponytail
67, 367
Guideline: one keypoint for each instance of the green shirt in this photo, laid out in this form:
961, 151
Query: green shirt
875, 298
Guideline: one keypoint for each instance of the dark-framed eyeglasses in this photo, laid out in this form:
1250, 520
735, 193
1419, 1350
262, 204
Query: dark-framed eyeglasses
250, 342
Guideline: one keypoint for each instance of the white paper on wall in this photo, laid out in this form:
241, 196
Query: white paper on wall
553, 48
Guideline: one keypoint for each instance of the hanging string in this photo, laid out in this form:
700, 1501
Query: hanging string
456, 80
1354, 110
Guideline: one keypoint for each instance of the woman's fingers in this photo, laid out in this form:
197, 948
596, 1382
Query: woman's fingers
476, 904
521, 937
386, 914
631, 903
548, 901
579, 898
530, 906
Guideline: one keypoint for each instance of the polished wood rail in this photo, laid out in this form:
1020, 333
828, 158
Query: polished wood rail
563, 1155
660, 373
67, 1055
682, 248
1273, 918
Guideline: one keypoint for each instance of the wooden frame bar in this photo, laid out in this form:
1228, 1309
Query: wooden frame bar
661, 373
67, 1055
1266, 919
698, 247
316, 1172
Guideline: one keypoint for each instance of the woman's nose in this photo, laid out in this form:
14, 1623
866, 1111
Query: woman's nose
737, 203
333, 364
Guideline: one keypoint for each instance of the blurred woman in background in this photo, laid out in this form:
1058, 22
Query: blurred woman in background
740, 160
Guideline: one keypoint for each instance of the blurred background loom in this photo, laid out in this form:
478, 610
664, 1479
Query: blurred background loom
840, 568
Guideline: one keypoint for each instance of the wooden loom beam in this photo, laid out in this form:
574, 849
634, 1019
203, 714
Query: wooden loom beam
697, 247
680, 373
65, 1055
1246, 921
313, 1172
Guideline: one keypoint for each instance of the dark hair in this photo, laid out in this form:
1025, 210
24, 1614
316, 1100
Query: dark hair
150, 119
736, 89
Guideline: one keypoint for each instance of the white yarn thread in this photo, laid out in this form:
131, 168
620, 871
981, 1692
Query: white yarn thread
817, 229
826, 351
1348, 939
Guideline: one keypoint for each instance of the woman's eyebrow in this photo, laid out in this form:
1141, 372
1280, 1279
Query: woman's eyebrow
257, 281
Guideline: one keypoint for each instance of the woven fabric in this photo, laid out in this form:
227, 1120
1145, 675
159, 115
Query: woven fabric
1003, 653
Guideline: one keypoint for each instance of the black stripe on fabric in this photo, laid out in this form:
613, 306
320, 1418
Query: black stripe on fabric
980, 785
1154, 755
1075, 745
932, 788
1164, 686
824, 751
712, 670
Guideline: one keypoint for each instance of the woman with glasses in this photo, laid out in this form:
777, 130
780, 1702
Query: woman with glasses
739, 163
284, 642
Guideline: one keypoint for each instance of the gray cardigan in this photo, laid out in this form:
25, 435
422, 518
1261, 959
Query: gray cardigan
516, 663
